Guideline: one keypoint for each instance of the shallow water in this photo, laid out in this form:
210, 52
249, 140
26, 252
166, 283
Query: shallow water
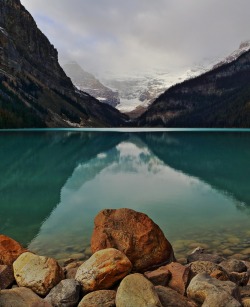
195, 185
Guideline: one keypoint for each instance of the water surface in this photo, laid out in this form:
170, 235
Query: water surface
195, 185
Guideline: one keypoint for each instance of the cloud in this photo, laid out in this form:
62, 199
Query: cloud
138, 35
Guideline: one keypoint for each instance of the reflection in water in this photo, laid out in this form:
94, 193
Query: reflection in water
191, 184
34, 167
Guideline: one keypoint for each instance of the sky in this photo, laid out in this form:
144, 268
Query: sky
127, 36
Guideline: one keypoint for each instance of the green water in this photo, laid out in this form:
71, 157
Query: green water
195, 185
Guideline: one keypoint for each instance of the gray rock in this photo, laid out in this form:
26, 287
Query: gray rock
233, 265
211, 292
6, 276
171, 298
65, 294
199, 255
136, 290
21, 297
103, 298
208, 267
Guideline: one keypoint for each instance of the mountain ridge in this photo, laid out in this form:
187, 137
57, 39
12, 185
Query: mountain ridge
34, 89
88, 83
218, 98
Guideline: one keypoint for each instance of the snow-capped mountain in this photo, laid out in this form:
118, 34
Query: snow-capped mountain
132, 93
138, 90
244, 47
88, 83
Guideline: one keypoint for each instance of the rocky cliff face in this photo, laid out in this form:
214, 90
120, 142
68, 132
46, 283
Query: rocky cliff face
34, 90
87, 82
218, 98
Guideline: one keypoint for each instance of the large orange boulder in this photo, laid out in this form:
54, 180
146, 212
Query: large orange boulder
10, 250
134, 234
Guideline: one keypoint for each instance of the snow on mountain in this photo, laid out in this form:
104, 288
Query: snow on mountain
244, 47
87, 82
141, 89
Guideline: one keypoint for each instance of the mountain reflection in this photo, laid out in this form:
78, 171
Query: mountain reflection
53, 184
220, 159
34, 167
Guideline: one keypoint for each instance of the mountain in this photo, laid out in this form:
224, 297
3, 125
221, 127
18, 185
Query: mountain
88, 83
244, 46
217, 98
34, 89
137, 90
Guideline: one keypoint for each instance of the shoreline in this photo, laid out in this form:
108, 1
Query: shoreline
129, 259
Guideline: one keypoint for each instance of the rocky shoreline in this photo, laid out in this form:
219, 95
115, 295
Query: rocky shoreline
132, 265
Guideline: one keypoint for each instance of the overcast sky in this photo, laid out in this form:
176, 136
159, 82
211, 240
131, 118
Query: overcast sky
140, 35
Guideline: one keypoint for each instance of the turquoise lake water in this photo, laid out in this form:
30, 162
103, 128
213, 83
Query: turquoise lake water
194, 185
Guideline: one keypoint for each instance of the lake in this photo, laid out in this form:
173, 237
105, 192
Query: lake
194, 184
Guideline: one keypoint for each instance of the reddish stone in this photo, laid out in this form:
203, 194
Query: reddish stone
6, 276
134, 234
180, 277
10, 250
159, 277
220, 275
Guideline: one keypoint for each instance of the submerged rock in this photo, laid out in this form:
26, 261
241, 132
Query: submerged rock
10, 250
38, 273
103, 298
199, 254
136, 290
133, 233
103, 269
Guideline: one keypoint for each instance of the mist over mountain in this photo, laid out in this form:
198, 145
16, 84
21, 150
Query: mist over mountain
88, 83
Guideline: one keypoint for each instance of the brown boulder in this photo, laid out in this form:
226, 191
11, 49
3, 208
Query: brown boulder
10, 250
171, 298
103, 269
241, 279
134, 234
6, 276
159, 277
179, 277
